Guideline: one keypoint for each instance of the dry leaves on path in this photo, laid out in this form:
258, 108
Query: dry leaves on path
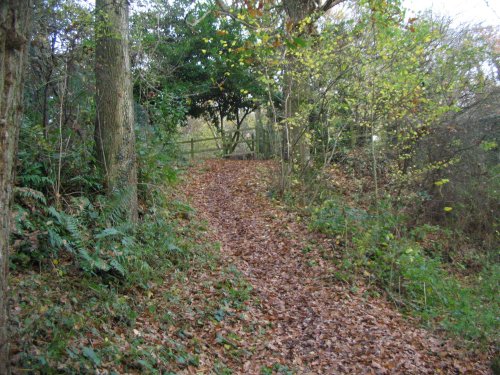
318, 326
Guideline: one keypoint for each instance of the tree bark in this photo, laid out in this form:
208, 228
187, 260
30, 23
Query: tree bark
15, 21
114, 132
295, 145
297, 10
261, 149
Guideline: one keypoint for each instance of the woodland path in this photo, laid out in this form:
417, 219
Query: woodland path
319, 325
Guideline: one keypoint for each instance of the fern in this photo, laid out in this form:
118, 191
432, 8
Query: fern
72, 226
86, 182
69, 224
108, 232
55, 214
92, 262
55, 240
29, 193
98, 236
23, 220
34, 180
115, 208
116, 265
82, 205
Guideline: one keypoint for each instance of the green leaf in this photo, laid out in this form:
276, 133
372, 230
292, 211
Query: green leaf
90, 354
290, 44
300, 42
219, 315
173, 248
107, 232
117, 266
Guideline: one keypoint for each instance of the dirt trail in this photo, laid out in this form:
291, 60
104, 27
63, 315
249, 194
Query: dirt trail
319, 326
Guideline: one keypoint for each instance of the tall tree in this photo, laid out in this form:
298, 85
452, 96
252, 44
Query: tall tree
15, 18
299, 23
114, 132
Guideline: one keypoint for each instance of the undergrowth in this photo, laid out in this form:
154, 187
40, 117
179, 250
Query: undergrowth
127, 308
407, 264
93, 293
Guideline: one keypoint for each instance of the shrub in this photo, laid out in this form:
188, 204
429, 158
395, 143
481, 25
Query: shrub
378, 244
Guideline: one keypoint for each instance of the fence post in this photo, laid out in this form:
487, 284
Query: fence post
253, 142
192, 148
258, 142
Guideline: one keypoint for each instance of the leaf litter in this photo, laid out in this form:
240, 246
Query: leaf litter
311, 323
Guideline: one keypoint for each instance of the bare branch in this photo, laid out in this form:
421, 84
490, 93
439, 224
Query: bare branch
329, 4
224, 9
196, 22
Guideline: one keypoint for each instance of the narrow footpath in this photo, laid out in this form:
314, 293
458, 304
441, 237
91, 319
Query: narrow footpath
318, 325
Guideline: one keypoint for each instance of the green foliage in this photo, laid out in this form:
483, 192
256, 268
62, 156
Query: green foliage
86, 311
157, 155
378, 247
86, 227
39, 159
68, 320
201, 70
338, 219
277, 368
100, 241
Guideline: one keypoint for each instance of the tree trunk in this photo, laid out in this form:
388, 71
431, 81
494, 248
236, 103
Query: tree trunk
261, 149
15, 19
295, 146
114, 132
297, 10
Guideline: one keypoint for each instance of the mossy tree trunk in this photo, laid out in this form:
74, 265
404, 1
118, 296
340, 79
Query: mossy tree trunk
15, 20
114, 132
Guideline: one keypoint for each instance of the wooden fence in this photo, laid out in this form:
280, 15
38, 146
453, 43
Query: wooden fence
260, 143
225, 144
